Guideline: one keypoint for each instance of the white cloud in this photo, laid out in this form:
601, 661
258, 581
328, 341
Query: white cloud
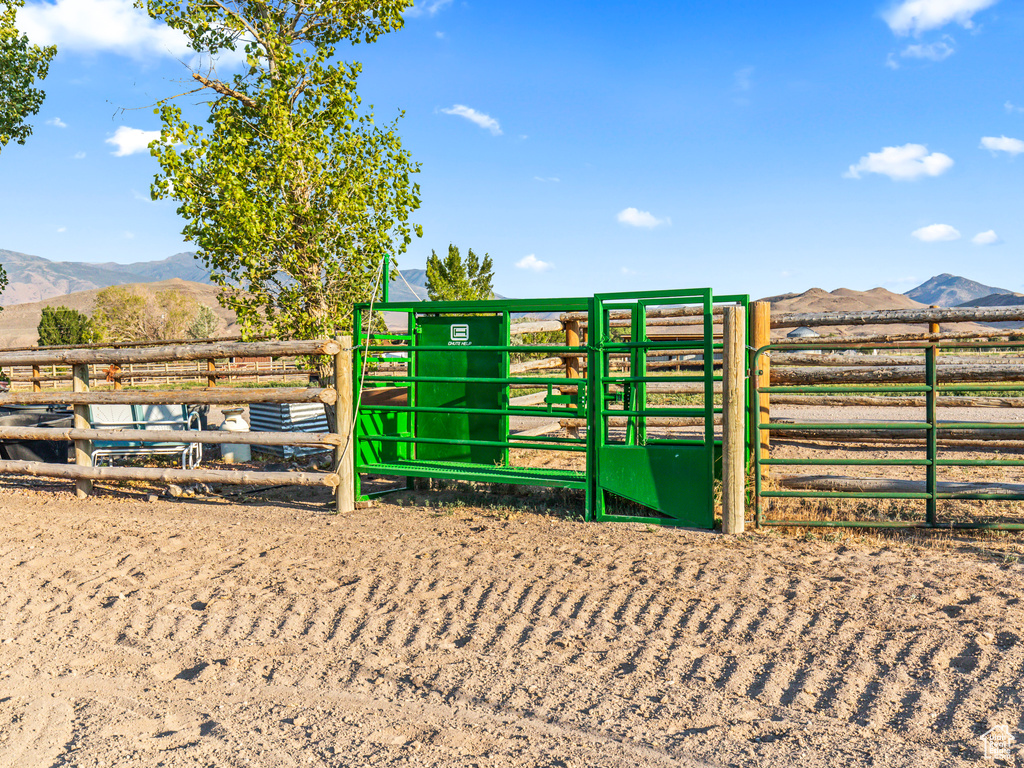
428, 8
986, 238
891, 63
552, 179
902, 163
1002, 144
131, 141
129, 235
937, 51
533, 264
88, 26
56, 122
62, 229
638, 218
917, 16
1011, 107
936, 233
79, 155
479, 118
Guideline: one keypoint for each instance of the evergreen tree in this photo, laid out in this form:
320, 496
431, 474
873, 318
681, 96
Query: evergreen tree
61, 326
452, 279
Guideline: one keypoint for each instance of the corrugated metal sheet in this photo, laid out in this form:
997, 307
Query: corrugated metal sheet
288, 417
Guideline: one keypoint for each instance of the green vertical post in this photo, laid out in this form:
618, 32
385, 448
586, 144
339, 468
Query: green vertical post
506, 372
931, 399
385, 279
630, 388
597, 424
640, 395
357, 366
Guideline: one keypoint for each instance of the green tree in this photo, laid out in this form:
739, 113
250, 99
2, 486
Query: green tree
21, 64
204, 325
177, 311
124, 314
291, 193
62, 326
452, 279
3, 282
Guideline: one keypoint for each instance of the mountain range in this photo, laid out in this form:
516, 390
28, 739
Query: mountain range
33, 278
948, 290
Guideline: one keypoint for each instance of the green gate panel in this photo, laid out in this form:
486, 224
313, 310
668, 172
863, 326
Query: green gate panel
460, 335
393, 424
674, 480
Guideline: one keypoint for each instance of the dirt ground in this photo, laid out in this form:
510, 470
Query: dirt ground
469, 632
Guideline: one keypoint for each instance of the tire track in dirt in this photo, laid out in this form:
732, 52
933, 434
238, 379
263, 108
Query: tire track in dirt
477, 625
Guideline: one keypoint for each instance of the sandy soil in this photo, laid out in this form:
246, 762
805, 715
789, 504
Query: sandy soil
208, 632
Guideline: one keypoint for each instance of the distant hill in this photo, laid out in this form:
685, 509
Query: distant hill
847, 300
996, 300
18, 323
33, 278
841, 300
948, 290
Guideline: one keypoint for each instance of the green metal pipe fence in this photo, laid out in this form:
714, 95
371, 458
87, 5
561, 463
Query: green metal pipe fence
451, 380
926, 431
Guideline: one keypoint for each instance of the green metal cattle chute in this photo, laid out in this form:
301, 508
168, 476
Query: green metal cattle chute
453, 396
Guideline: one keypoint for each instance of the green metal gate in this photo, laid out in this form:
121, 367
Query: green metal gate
454, 381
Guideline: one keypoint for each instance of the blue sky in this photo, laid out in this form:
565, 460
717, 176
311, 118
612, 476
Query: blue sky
753, 147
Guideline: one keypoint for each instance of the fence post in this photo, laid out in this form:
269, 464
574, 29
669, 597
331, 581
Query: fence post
83, 448
761, 335
572, 364
37, 386
211, 366
344, 452
734, 364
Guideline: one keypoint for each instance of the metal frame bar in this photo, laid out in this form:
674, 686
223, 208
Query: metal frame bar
592, 393
930, 430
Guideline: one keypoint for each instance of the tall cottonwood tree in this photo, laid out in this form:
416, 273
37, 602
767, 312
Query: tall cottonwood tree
21, 65
291, 192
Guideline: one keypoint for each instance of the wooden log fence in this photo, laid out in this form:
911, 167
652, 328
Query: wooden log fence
927, 316
813, 364
82, 435
217, 396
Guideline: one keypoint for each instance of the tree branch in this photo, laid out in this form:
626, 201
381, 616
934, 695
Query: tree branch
223, 90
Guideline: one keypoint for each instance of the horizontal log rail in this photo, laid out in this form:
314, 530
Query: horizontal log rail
116, 356
652, 421
896, 374
947, 401
222, 373
537, 365
915, 358
875, 340
160, 474
899, 436
540, 326
133, 344
211, 437
889, 485
218, 396
903, 316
